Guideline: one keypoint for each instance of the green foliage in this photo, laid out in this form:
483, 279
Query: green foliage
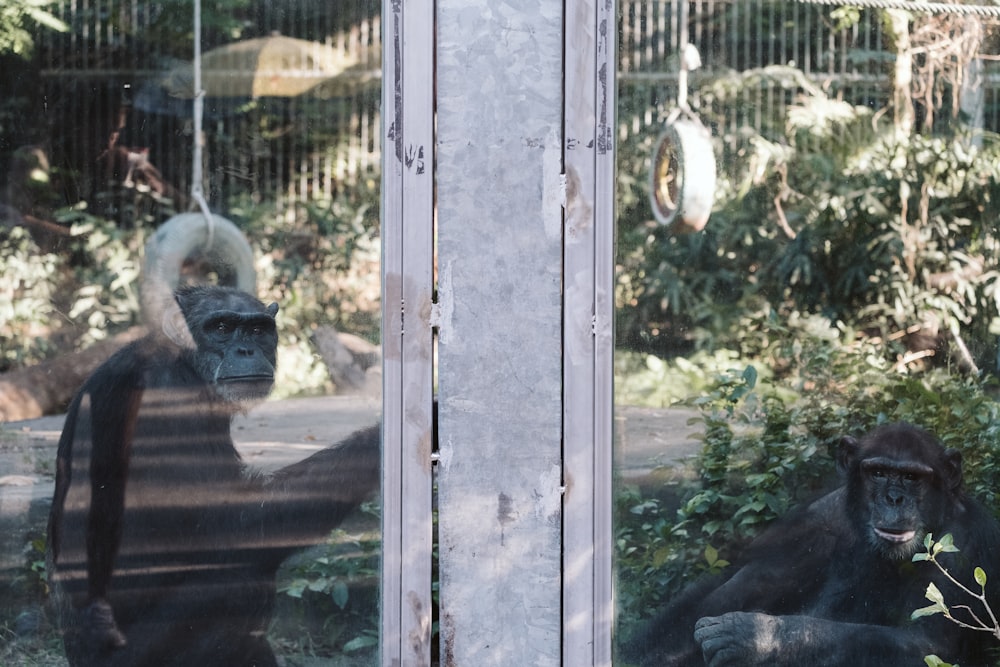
26, 291
821, 211
106, 262
982, 618
36, 574
84, 291
20, 19
765, 448
319, 261
333, 590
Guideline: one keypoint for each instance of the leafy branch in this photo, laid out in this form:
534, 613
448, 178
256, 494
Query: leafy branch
938, 606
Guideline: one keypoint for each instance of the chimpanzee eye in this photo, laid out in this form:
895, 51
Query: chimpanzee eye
222, 327
877, 473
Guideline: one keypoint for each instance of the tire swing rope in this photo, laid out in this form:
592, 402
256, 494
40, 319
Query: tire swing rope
679, 201
197, 175
216, 239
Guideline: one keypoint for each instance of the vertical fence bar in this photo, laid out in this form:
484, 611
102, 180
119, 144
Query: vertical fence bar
588, 265
579, 152
407, 192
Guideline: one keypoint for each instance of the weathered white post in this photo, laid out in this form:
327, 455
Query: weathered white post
518, 138
499, 208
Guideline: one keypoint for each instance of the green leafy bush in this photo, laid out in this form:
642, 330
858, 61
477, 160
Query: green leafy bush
331, 593
766, 449
823, 211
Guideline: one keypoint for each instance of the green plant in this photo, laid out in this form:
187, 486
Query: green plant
20, 20
983, 621
765, 448
821, 211
973, 620
27, 279
333, 589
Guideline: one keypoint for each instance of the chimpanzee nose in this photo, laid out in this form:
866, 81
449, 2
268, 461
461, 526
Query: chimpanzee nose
894, 497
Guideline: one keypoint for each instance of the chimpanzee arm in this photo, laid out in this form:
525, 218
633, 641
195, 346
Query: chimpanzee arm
749, 639
102, 416
114, 413
304, 501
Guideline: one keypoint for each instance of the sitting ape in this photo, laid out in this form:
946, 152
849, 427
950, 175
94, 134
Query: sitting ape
164, 548
834, 584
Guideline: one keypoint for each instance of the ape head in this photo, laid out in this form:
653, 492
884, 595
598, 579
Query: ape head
901, 483
229, 339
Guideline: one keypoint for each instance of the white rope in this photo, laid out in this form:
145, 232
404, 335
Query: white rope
197, 188
918, 7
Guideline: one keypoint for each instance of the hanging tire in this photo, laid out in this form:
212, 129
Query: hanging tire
184, 250
682, 177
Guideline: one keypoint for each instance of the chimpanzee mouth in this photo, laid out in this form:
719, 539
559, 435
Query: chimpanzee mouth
234, 379
895, 536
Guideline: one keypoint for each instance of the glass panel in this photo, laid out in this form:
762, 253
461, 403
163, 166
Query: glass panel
807, 248
206, 509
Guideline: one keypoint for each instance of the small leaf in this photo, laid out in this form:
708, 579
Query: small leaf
340, 594
934, 595
980, 576
364, 641
926, 611
318, 585
711, 554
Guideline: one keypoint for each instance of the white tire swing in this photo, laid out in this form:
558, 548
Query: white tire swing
682, 173
194, 247
188, 248
682, 177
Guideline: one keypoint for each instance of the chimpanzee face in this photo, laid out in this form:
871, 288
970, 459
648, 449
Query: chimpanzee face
234, 343
902, 499
900, 480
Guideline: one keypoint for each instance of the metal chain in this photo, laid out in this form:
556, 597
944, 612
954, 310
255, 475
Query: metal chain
910, 5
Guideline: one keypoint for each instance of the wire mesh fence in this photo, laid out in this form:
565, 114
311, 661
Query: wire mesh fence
117, 88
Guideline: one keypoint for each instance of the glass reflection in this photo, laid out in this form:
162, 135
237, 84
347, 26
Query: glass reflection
192, 517
844, 278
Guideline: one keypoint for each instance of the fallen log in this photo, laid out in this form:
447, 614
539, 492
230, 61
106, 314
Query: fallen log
48, 387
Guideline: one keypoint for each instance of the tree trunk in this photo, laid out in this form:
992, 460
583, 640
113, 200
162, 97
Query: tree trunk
48, 387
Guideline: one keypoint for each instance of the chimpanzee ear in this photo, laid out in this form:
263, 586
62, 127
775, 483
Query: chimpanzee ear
272, 310
951, 471
175, 326
847, 451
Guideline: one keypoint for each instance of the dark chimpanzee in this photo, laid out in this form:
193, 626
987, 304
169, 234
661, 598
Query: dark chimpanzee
834, 585
164, 548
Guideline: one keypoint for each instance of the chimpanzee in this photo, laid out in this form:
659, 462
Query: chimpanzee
164, 548
834, 583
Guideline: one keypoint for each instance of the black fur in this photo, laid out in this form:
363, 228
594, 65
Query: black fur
163, 547
833, 585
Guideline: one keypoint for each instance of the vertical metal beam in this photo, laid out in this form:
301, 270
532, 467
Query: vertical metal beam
407, 288
587, 330
499, 158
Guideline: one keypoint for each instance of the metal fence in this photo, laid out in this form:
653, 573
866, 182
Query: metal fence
853, 62
110, 82
109, 71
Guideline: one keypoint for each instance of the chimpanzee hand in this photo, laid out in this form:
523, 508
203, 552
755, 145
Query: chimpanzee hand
100, 630
739, 639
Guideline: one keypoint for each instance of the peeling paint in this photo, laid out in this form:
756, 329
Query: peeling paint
553, 190
548, 495
446, 302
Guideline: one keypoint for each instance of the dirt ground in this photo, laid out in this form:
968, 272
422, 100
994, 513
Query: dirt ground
648, 444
